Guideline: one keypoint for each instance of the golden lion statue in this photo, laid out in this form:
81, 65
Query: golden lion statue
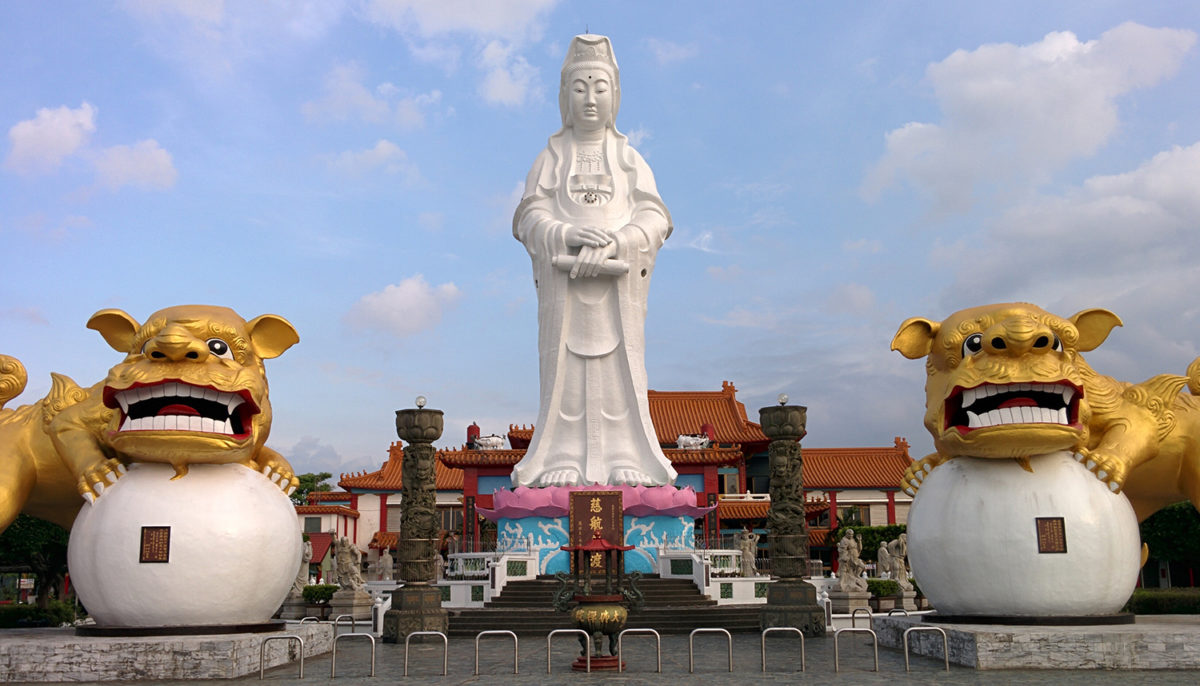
191, 390
1008, 381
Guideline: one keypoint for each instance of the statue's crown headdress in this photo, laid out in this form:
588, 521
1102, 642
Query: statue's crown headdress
589, 51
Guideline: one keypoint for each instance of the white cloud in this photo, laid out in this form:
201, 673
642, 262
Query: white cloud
404, 309
667, 52
1126, 242
347, 97
509, 19
144, 165
40, 145
509, 79
433, 222
638, 136
1018, 113
384, 157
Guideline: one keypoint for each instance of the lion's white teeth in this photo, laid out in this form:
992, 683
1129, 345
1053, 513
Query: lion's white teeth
157, 391
127, 424
123, 401
211, 394
233, 402
972, 420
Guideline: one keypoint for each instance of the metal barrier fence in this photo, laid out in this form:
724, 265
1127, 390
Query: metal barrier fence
333, 657
445, 650
496, 632
781, 629
587, 643
854, 618
262, 652
853, 630
938, 629
708, 630
337, 621
657, 646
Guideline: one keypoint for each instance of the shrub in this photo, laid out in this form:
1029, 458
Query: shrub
1164, 601
56, 613
883, 588
319, 593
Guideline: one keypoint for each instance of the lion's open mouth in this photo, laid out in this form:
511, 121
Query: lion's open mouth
1015, 403
179, 406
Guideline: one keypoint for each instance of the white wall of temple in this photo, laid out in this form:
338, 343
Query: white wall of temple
368, 518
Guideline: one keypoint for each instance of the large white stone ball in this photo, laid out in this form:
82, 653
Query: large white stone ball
973, 542
234, 550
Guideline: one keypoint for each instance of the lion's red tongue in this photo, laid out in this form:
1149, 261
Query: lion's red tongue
178, 409
1019, 402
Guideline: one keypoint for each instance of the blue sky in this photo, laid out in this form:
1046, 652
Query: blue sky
832, 169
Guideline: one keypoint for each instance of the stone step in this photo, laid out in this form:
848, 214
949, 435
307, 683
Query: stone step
527, 622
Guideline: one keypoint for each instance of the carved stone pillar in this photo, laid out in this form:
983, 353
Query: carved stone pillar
417, 606
791, 601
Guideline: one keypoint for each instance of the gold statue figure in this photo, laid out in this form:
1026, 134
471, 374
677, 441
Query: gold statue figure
191, 390
1008, 381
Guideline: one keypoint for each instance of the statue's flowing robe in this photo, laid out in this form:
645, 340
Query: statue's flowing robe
593, 414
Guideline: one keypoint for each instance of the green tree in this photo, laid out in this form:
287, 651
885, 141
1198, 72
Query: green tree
1173, 533
309, 483
39, 546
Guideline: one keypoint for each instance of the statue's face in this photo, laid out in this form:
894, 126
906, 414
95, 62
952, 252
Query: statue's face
590, 99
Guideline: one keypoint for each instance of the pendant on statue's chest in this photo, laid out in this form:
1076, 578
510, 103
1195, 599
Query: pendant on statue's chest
590, 198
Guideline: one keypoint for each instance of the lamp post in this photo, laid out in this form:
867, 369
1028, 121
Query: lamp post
417, 606
791, 601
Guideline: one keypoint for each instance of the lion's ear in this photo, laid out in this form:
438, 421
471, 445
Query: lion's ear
117, 327
271, 335
914, 340
1094, 326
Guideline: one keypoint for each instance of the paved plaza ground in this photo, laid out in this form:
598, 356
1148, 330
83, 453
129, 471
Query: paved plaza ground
711, 665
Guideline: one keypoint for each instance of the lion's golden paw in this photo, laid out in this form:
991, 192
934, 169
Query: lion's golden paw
916, 473
1102, 468
92, 483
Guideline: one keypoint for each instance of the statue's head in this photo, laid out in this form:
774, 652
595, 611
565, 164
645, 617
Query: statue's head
590, 59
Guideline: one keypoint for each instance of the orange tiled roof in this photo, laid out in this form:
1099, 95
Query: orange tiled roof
466, 457
326, 509
389, 476
826, 468
743, 509
758, 509
706, 456
818, 537
323, 496
684, 412
384, 539
321, 542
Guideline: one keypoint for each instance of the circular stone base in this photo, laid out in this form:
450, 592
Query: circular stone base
126, 631
1010, 620
600, 663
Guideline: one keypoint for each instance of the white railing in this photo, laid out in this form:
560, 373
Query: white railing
745, 497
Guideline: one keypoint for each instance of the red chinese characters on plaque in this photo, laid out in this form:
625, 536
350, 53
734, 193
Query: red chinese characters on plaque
595, 512
156, 544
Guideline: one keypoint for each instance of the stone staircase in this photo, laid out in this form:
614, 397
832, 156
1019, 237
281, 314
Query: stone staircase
672, 606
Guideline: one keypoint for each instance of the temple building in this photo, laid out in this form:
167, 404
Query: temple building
706, 435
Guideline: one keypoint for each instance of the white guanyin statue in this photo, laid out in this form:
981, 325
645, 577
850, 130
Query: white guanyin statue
592, 222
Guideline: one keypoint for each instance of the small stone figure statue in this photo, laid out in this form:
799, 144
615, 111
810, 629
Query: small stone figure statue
850, 564
883, 562
385, 564
897, 551
592, 222
302, 573
748, 544
349, 565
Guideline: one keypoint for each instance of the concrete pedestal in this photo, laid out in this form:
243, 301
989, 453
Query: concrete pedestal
793, 602
908, 600
415, 607
845, 602
355, 603
58, 655
294, 607
1152, 642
